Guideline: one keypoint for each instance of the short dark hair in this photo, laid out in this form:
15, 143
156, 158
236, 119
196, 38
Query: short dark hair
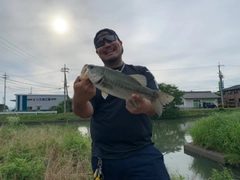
105, 30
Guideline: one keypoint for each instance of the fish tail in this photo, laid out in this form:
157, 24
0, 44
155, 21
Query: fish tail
161, 99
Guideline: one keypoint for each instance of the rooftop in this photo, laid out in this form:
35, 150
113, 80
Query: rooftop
199, 94
236, 87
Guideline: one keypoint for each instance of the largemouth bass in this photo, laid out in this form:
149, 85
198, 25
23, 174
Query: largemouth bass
123, 86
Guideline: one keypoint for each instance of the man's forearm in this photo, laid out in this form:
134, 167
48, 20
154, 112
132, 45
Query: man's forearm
83, 110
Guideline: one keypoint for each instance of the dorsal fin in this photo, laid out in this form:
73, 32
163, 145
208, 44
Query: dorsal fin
139, 78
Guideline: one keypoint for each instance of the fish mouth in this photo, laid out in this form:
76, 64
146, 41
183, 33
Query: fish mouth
84, 72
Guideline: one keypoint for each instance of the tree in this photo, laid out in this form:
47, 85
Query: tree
60, 107
2, 106
171, 110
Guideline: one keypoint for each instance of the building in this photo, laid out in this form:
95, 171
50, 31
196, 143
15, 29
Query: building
37, 102
195, 99
231, 96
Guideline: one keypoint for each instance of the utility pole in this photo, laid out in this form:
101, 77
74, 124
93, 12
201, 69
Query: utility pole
221, 84
4, 98
64, 70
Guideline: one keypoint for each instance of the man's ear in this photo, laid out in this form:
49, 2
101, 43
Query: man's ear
97, 52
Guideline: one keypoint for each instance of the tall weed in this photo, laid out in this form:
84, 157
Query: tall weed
219, 132
43, 152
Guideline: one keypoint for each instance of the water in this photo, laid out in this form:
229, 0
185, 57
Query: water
169, 137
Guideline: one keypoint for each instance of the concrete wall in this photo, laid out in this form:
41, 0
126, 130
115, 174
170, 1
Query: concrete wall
193, 103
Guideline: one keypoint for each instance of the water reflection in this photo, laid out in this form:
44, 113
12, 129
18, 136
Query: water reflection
198, 166
169, 136
83, 130
202, 166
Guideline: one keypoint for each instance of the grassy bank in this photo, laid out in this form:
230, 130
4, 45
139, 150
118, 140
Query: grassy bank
219, 132
51, 152
206, 112
43, 152
39, 117
60, 152
71, 116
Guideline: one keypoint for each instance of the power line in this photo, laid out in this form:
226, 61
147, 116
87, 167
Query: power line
22, 42
23, 54
31, 84
183, 68
39, 84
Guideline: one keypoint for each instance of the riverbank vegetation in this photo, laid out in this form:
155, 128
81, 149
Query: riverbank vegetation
219, 132
51, 152
43, 152
41, 118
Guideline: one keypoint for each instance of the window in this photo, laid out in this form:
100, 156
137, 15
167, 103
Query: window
229, 92
29, 108
235, 91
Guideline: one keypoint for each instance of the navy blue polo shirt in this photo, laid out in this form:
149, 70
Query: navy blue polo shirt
115, 132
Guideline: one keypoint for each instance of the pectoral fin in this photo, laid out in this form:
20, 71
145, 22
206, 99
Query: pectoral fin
104, 94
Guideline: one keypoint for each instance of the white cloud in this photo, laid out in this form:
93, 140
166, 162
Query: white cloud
182, 42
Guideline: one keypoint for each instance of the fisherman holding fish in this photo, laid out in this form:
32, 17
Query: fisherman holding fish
120, 98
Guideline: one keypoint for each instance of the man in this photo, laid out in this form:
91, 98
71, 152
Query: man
121, 134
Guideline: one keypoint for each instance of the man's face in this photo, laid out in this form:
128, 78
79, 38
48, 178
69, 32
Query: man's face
110, 52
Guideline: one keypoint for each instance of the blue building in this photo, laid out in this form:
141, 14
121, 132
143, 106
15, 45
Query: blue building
37, 102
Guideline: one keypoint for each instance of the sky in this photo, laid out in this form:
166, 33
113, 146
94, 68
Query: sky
183, 43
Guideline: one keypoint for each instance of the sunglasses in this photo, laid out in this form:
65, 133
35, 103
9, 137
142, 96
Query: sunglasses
109, 39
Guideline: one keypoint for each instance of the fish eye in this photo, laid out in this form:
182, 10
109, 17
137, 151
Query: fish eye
90, 66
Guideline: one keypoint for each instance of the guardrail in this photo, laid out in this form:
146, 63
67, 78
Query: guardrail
32, 112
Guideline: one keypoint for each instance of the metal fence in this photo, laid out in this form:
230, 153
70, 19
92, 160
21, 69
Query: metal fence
32, 112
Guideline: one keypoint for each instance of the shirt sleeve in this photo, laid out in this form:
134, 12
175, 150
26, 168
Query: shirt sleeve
151, 81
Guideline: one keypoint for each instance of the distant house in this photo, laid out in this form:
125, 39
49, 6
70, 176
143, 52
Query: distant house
37, 102
195, 99
232, 95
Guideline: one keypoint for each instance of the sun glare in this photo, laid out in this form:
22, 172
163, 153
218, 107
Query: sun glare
60, 25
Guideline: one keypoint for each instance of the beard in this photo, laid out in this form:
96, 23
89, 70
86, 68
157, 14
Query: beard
113, 60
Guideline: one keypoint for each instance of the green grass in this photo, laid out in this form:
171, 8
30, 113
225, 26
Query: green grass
206, 112
43, 152
72, 116
49, 152
219, 132
40, 117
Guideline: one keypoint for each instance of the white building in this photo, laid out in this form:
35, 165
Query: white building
194, 99
37, 102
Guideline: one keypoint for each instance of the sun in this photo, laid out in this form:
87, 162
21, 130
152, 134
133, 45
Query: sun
60, 25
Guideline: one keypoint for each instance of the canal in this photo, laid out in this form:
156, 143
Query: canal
169, 137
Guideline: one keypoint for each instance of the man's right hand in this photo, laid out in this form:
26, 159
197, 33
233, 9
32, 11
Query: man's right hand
84, 91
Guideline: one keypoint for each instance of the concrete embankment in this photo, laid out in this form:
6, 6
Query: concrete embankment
190, 149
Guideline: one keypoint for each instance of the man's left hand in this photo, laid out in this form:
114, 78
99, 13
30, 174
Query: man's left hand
138, 105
